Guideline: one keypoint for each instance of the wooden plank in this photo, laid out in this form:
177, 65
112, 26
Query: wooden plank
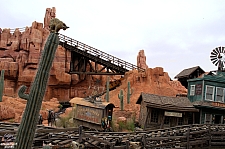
65, 142
218, 144
96, 138
165, 138
188, 138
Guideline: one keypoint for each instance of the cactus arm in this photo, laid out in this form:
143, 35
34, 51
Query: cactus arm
2, 84
21, 92
120, 96
26, 130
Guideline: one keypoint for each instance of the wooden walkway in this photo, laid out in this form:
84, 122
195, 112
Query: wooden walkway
181, 137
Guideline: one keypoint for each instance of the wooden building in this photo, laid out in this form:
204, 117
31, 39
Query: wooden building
91, 113
189, 73
207, 93
162, 112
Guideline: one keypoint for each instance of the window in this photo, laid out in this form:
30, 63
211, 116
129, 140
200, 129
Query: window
167, 120
180, 120
209, 93
208, 118
220, 94
192, 90
154, 115
190, 118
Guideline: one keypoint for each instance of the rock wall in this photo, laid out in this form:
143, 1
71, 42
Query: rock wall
19, 56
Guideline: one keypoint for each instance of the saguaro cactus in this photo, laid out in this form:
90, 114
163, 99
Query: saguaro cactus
1, 84
129, 92
26, 131
120, 96
107, 90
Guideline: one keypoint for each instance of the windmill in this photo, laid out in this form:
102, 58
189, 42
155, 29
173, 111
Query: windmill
218, 57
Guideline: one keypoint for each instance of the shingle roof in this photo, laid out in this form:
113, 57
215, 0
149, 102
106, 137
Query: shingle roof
187, 72
83, 102
164, 102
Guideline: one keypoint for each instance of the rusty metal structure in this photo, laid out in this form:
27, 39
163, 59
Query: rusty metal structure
83, 55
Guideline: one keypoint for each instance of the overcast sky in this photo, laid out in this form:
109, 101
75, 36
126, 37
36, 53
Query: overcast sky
175, 34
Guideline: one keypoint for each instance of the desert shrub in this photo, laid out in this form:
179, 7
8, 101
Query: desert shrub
66, 121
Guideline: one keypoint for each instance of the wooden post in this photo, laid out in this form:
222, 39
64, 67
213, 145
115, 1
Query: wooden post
188, 137
210, 137
80, 133
112, 145
144, 140
162, 122
127, 144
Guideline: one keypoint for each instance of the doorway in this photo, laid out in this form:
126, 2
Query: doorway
217, 119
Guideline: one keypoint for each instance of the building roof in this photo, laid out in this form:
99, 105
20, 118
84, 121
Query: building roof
211, 105
85, 102
167, 103
188, 71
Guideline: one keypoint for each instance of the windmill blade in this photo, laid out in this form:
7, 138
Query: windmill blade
214, 61
212, 56
217, 49
212, 53
220, 50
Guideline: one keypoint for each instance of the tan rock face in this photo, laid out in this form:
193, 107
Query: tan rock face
141, 60
12, 109
154, 81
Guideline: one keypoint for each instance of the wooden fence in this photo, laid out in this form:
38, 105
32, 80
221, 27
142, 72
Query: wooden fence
180, 137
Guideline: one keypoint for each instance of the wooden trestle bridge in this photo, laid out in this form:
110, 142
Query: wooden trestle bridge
180, 137
82, 55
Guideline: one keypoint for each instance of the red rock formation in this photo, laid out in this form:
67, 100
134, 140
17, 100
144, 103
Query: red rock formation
11, 109
19, 57
141, 60
154, 81
49, 14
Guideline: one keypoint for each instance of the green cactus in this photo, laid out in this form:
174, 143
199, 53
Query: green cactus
26, 131
120, 96
129, 92
2, 84
107, 90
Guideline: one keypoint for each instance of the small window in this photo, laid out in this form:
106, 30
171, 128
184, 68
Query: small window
154, 116
220, 94
209, 93
192, 90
